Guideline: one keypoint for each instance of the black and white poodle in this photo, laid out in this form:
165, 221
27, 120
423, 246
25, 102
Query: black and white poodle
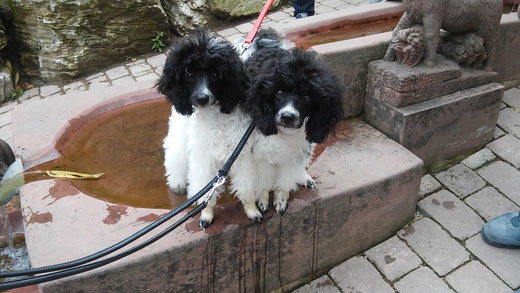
206, 82
296, 102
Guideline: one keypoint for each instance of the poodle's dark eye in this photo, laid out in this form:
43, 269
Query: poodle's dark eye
188, 74
279, 95
306, 98
215, 75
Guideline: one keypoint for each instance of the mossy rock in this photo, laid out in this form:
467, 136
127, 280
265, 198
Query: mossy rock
61, 40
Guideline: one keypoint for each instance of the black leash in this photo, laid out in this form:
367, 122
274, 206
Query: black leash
77, 266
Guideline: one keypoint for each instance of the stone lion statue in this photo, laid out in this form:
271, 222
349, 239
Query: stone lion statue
481, 17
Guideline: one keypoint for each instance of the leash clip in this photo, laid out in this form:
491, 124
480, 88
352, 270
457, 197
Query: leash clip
244, 48
220, 181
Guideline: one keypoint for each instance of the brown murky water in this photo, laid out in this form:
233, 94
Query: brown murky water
126, 144
349, 31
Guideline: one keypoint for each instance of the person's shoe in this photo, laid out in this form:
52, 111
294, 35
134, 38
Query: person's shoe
302, 15
503, 231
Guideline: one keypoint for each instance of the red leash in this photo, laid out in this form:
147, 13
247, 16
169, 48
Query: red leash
252, 33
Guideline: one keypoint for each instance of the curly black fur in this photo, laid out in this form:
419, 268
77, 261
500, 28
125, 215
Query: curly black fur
299, 72
204, 53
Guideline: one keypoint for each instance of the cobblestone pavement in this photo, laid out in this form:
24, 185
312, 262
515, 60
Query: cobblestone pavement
442, 249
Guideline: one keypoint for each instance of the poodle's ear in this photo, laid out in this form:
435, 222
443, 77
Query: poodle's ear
327, 109
260, 106
235, 83
171, 85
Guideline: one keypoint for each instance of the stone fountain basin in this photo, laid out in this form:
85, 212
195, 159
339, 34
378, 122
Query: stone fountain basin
367, 188
350, 58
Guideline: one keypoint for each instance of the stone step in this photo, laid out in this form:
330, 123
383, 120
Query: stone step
367, 187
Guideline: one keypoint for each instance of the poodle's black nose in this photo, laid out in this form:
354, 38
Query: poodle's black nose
202, 100
287, 118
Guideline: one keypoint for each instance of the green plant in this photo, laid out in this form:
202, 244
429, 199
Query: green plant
157, 43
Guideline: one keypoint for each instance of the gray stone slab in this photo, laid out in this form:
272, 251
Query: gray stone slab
442, 128
30, 93
7, 107
428, 185
6, 118
48, 90
489, 203
479, 159
435, 246
505, 263
139, 68
358, 275
149, 76
77, 86
244, 28
393, 258
498, 133
505, 178
100, 81
455, 216
474, 277
512, 97
117, 72
321, 285
509, 120
507, 148
157, 60
227, 32
123, 81
422, 280
6, 133
278, 16
461, 180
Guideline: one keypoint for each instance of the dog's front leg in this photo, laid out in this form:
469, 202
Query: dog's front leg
432, 26
176, 152
287, 178
244, 181
200, 173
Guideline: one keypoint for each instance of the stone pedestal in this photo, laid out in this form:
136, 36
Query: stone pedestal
437, 113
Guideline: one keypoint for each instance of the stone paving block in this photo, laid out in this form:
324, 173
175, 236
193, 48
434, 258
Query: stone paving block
77, 86
151, 75
7, 107
94, 76
358, 275
6, 118
502, 106
234, 37
393, 258
422, 280
117, 72
30, 93
345, 6
479, 159
452, 214
48, 90
512, 97
159, 70
489, 203
100, 81
332, 3
323, 9
474, 277
6, 133
428, 185
505, 263
157, 60
321, 285
498, 133
279, 15
139, 69
505, 178
461, 180
509, 120
434, 246
228, 32
507, 148
244, 28
123, 81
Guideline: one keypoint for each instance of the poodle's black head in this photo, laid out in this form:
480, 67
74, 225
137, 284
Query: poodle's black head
291, 89
201, 71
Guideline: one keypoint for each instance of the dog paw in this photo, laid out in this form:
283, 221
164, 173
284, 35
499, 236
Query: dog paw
179, 190
310, 184
280, 201
206, 218
252, 212
263, 201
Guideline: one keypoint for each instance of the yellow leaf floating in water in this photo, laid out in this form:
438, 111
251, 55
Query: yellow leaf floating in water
72, 175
